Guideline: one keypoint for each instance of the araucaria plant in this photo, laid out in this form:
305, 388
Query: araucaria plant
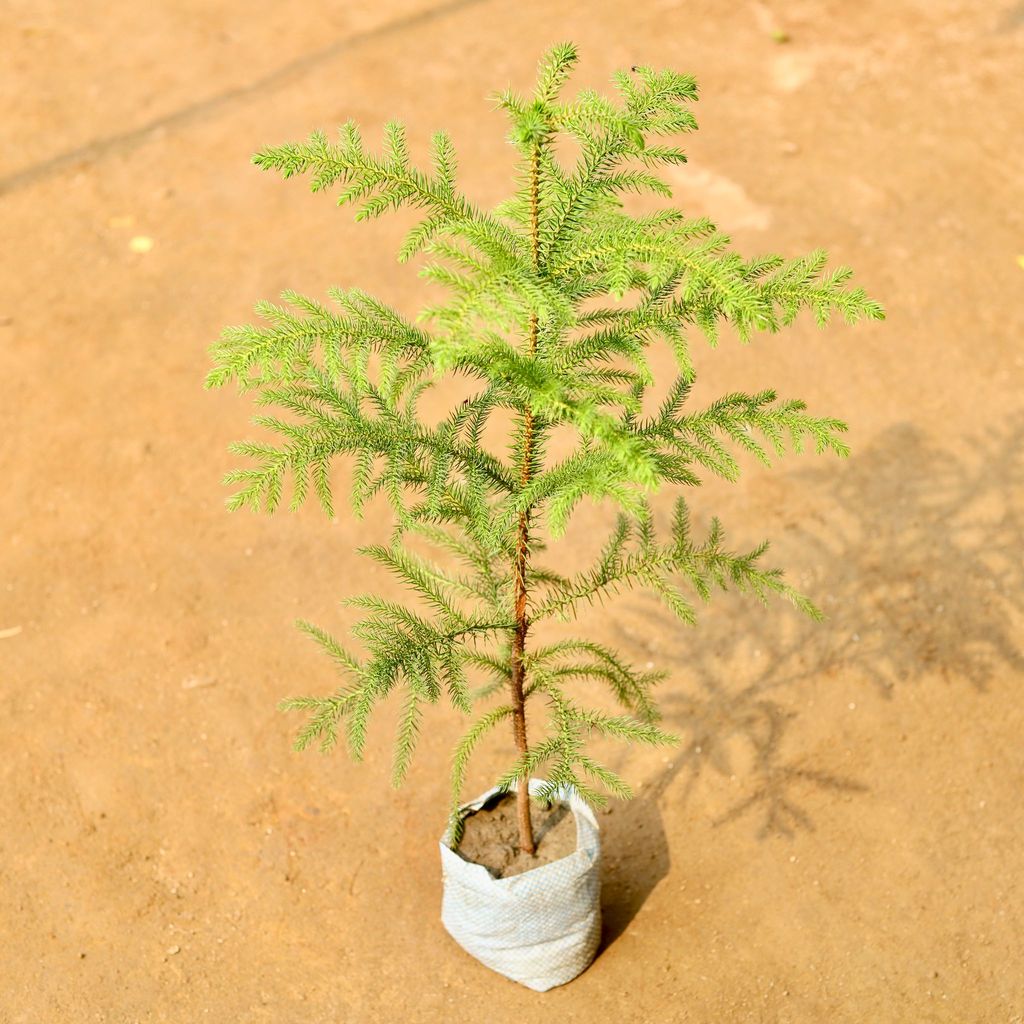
551, 306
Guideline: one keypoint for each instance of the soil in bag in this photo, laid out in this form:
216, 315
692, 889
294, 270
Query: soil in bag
491, 836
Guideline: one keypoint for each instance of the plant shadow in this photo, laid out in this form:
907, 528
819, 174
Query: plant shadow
918, 552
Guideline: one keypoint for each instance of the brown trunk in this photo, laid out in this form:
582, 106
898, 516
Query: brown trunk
518, 685
518, 669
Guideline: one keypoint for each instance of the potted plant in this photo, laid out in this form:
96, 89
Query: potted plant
550, 306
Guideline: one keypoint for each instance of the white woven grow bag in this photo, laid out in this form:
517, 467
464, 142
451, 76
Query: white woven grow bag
540, 928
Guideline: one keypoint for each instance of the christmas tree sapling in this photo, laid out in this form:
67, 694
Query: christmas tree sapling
552, 303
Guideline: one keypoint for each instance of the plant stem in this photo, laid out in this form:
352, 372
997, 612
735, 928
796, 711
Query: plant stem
526, 843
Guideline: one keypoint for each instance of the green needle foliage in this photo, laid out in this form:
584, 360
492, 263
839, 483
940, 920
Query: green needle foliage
550, 305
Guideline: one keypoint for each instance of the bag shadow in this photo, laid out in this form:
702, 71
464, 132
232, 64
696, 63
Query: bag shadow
634, 859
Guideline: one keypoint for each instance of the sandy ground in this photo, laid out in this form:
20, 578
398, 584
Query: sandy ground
838, 838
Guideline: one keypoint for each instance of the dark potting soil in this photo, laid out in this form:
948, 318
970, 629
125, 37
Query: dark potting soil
491, 837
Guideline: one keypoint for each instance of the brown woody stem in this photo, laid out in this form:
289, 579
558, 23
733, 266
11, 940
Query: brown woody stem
518, 683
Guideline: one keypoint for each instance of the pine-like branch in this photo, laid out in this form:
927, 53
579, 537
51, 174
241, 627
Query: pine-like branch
704, 567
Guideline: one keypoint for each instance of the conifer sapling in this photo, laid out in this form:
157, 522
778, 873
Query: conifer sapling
551, 305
